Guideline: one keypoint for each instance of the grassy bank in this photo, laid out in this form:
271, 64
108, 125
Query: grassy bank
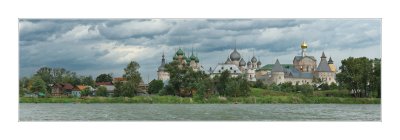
257, 96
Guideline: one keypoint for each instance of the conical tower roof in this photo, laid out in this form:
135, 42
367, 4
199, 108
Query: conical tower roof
277, 67
323, 55
330, 61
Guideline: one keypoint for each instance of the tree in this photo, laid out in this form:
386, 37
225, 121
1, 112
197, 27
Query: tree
118, 91
37, 84
376, 77
259, 84
356, 75
87, 80
104, 78
222, 81
45, 74
129, 89
155, 86
306, 89
132, 75
101, 91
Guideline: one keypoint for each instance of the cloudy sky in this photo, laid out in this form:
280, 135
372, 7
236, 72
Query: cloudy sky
92, 47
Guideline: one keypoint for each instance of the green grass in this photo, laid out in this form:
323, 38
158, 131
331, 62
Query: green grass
257, 96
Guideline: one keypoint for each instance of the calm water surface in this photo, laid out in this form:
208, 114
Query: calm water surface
218, 112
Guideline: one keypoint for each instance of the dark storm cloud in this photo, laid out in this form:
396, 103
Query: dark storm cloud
106, 45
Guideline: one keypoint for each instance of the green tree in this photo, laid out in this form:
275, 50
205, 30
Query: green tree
155, 86
118, 91
129, 89
222, 81
101, 91
132, 72
132, 75
38, 85
87, 80
356, 75
183, 80
376, 77
306, 89
232, 88
259, 84
104, 78
45, 74
86, 92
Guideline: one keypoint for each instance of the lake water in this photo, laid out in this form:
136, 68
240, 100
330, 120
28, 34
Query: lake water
198, 112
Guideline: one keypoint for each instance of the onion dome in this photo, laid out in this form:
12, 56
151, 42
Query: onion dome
254, 59
259, 63
249, 63
184, 57
197, 60
192, 57
180, 52
304, 45
242, 63
187, 60
175, 57
235, 56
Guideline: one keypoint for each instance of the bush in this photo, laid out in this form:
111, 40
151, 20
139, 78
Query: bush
101, 91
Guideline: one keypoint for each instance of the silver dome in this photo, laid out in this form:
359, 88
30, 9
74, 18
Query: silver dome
235, 56
242, 62
254, 59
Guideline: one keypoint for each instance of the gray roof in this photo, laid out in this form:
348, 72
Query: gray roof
323, 66
232, 68
298, 58
294, 73
277, 67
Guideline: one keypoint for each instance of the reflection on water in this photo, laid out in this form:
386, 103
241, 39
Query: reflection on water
173, 112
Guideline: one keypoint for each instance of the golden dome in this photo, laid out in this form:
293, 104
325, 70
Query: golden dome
303, 45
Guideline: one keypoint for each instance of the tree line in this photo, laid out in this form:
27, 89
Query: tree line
361, 76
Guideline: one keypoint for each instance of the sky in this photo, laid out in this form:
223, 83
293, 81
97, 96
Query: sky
96, 46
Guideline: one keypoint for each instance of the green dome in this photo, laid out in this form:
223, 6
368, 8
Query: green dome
184, 57
187, 60
175, 57
197, 60
180, 52
192, 57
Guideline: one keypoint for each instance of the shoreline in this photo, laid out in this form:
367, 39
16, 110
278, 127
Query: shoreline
214, 100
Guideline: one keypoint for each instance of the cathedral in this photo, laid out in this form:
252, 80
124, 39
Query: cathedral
304, 70
180, 57
236, 66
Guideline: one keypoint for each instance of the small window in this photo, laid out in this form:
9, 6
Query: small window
219, 71
222, 67
231, 68
234, 71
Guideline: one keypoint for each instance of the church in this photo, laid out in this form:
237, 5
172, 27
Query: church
180, 57
236, 65
303, 71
